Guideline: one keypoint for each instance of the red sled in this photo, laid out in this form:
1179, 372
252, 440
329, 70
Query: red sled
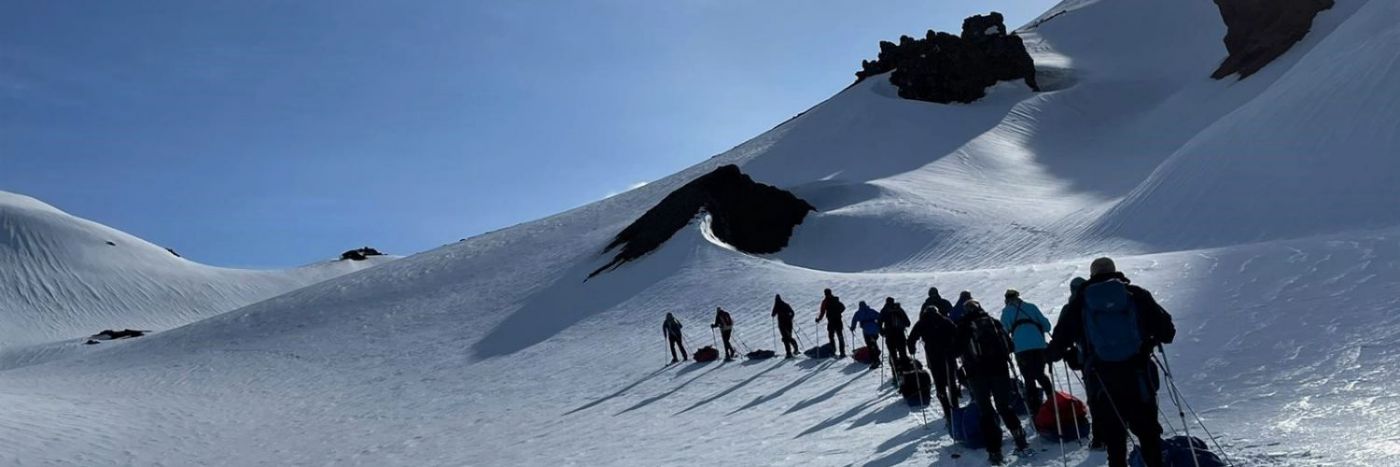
1073, 417
866, 355
706, 354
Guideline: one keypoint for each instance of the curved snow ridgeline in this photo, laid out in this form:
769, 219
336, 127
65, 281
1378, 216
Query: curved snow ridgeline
66, 278
1259, 212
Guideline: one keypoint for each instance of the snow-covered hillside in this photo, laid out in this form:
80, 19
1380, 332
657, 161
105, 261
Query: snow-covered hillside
1259, 212
66, 278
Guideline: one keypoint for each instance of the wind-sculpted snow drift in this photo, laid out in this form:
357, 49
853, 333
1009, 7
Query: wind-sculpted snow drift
1259, 212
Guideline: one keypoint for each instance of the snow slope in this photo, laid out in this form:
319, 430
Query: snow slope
494, 351
67, 277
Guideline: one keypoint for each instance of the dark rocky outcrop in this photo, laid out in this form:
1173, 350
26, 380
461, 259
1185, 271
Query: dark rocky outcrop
1262, 30
172, 251
944, 68
109, 334
750, 216
360, 254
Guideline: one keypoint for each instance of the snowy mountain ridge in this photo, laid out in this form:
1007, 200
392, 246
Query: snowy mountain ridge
1258, 212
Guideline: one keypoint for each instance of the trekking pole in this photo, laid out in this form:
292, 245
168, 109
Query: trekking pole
1070, 390
1059, 425
1175, 395
714, 340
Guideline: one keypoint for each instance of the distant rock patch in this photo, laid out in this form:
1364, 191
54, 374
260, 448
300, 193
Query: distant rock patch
360, 254
1262, 30
109, 334
172, 251
750, 216
944, 68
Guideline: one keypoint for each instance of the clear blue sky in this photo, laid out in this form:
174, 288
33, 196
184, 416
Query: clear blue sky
276, 133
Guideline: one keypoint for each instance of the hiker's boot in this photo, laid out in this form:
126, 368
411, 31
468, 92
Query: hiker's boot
995, 458
674, 360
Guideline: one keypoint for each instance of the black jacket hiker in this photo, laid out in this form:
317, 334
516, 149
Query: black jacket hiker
1126, 389
938, 333
725, 323
831, 309
674, 337
784, 314
893, 323
985, 349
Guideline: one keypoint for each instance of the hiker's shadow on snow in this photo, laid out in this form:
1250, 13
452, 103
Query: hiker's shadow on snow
569, 300
893, 410
658, 397
757, 401
904, 446
614, 395
821, 397
726, 392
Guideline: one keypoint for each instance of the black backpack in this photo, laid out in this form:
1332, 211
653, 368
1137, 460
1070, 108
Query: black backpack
987, 342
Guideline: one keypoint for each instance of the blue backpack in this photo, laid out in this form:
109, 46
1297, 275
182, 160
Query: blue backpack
1111, 322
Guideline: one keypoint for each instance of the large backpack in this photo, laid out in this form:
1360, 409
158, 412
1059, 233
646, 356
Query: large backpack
987, 342
1111, 331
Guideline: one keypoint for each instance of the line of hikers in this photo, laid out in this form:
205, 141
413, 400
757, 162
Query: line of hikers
1107, 330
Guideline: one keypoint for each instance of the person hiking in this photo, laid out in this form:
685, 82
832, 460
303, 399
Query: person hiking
937, 303
1116, 325
1028, 327
783, 312
831, 309
938, 332
674, 339
893, 322
869, 321
957, 312
726, 330
1074, 360
985, 349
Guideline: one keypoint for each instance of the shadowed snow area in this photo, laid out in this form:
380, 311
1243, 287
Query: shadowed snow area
494, 351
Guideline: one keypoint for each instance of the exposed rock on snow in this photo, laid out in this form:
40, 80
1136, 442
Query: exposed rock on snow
109, 334
750, 216
944, 68
360, 254
1262, 30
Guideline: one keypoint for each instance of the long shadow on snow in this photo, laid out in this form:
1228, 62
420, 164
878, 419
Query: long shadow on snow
615, 394
731, 389
569, 300
821, 397
880, 397
653, 399
776, 394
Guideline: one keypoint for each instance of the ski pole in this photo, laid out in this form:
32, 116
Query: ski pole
1059, 425
1176, 397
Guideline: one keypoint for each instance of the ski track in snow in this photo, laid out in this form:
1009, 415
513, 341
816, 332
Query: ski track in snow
495, 351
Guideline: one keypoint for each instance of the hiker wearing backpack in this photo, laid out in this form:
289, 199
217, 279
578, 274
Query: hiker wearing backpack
869, 321
937, 303
674, 339
1116, 325
957, 312
1028, 327
893, 322
1074, 360
726, 330
783, 312
938, 333
985, 349
831, 309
